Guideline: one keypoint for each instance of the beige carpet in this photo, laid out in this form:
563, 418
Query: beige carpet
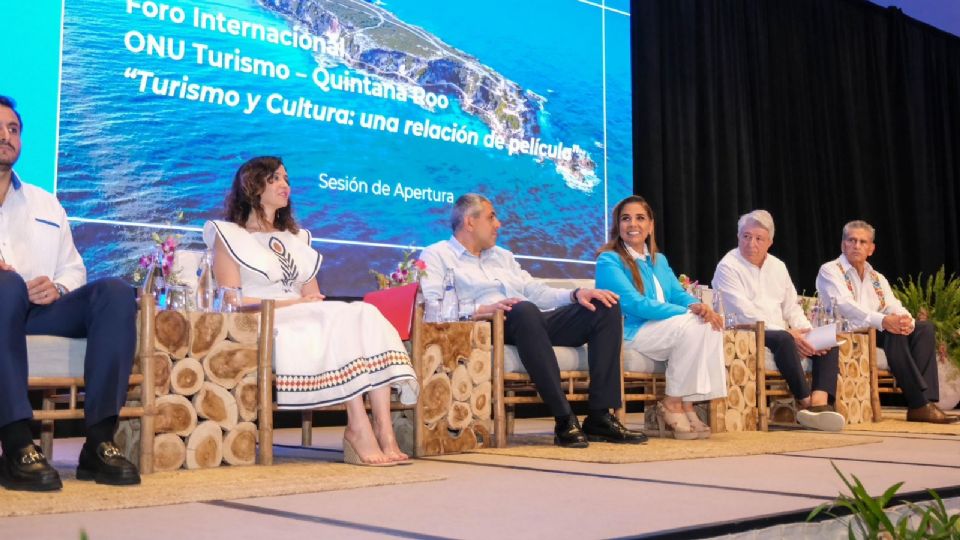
745, 443
205, 485
896, 422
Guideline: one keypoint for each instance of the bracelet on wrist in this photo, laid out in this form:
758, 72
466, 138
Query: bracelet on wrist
573, 295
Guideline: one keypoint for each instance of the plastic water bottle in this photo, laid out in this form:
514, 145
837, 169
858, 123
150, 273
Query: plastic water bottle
153, 283
449, 303
206, 285
729, 319
816, 313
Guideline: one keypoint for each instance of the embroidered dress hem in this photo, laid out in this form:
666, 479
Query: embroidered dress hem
330, 352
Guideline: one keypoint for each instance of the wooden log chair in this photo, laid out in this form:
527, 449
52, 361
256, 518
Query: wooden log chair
56, 371
512, 385
743, 408
856, 390
643, 379
398, 305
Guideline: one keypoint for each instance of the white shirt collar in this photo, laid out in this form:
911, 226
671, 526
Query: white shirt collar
460, 250
635, 254
743, 260
847, 266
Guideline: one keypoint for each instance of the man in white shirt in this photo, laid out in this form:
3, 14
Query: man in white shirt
756, 286
43, 290
494, 280
863, 296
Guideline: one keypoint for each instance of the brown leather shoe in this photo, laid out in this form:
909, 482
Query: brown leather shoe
930, 413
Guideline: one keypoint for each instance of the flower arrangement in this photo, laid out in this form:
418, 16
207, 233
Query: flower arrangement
408, 271
688, 284
164, 249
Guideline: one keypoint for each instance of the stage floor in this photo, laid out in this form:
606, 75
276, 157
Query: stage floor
493, 496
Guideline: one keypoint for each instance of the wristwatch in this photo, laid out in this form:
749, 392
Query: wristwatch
61, 289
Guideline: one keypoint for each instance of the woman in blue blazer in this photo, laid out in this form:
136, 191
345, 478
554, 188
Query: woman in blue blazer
662, 321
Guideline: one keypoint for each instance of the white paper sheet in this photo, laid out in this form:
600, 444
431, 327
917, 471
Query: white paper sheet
823, 337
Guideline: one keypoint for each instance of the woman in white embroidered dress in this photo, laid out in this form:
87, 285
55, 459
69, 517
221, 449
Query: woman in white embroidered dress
326, 352
661, 320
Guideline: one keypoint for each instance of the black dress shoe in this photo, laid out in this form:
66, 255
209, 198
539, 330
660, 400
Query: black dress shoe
27, 470
607, 428
106, 465
567, 433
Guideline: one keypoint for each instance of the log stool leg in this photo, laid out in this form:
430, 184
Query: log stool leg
510, 413
306, 428
46, 426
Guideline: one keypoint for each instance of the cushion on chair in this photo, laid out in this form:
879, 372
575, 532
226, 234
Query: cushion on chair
770, 365
567, 283
882, 362
575, 359
397, 305
636, 362
568, 358
51, 356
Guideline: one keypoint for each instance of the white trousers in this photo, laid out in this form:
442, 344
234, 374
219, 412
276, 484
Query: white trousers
693, 351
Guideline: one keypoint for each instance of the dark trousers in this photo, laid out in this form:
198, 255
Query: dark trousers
534, 333
787, 358
104, 312
913, 361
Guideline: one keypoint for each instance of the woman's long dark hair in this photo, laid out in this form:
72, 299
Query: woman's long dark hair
616, 243
244, 197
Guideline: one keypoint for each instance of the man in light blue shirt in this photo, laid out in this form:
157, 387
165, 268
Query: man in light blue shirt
44, 290
537, 317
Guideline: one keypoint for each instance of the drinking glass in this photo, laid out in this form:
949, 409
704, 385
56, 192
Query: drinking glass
431, 311
229, 299
730, 320
467, 308
206, 300
178, 298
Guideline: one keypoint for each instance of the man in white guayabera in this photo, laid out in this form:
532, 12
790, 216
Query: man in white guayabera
756, 286
537, 318
44, 290
863, 296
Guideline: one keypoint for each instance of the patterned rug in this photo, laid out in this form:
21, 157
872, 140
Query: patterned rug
895, 421
745, 443
221, 483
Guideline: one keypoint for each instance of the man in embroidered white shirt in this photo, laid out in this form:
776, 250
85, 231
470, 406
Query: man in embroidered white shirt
43, 290
863, 296
756, 286
494, 280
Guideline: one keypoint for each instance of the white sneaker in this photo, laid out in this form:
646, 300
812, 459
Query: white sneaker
822, 418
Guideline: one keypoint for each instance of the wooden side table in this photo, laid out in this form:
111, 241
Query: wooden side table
853, 381
454, 413
853, 399
740, 410
205, 382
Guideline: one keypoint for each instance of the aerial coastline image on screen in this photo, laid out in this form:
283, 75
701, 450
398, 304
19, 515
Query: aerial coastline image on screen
383, 113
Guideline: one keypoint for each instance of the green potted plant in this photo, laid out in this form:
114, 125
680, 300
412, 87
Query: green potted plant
937, 299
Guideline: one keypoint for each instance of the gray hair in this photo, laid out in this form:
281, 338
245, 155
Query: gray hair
468, 204
757, 217
859, 224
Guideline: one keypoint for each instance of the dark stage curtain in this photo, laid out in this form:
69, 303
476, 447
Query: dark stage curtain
820, 111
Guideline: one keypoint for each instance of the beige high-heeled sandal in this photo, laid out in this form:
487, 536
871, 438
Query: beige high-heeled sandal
351, 456
702, 430
674, 424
